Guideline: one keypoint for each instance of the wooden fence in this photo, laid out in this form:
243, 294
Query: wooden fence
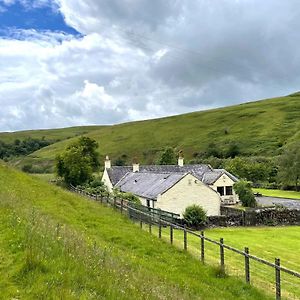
151, 219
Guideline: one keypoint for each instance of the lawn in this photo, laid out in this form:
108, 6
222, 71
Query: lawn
265, 242
57, 245
279, 193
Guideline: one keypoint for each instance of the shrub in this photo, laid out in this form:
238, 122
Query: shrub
127, 196
194, 216
27, 168
246, 196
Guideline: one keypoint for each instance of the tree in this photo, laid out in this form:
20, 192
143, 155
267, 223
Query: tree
77, 163
168, 157
246, 196
194, 215
251, 169
289, 166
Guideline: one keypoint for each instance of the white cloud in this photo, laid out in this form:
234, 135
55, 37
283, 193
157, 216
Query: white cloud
141, 59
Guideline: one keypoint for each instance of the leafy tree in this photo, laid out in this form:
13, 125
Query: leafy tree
25, 147
254, 170
168, 157
289, 166
77, 163
246, 196
195, 215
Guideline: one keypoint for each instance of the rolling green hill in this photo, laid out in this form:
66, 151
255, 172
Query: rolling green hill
57, 245
259, 128
50, 134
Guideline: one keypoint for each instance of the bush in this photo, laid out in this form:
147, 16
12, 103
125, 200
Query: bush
195, 216
27, 168
127, 196
246, 196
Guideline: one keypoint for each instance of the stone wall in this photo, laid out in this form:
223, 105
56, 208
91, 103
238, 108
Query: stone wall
255, 217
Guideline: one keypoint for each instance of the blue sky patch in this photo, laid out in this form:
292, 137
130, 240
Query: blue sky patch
40, 18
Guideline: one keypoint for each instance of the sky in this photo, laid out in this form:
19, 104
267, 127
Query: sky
74, 62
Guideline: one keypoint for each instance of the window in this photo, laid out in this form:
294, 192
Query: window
148, 203
190, 182
220, 190
228, 190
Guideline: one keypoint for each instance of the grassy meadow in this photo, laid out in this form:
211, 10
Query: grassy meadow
279, 193
265, 242
57, 245
259, 128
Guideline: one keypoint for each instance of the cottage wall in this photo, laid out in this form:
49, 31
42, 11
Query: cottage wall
189, 190
105, 179
224, 181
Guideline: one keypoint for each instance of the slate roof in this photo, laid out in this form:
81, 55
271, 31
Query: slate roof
211, 177
148, 185
115, 173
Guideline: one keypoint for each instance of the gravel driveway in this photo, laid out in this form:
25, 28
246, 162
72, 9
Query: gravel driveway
289, 203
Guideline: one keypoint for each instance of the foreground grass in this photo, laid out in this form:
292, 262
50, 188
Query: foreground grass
45, 177
279, 193
246, 124
56, 245
264, 242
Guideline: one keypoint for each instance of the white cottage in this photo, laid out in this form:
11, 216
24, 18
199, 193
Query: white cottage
174, 187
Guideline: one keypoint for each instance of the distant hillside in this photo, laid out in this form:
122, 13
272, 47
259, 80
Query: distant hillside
259, 128
57, 245
49, 134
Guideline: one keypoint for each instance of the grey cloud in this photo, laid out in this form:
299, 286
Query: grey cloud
149, 59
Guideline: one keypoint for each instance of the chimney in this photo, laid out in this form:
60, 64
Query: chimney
135, 167
180, 161
107, 163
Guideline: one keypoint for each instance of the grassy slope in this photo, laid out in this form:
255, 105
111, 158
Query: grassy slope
93, 253
279, 193
264, 242
259, 127
50, 134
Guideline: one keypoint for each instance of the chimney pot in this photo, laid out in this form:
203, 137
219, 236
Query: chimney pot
135, 167
180, 161
107, 163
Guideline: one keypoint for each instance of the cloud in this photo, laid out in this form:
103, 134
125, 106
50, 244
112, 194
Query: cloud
141, 59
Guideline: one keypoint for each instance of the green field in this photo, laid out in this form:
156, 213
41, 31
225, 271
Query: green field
265, 242
259, 128
57, 245
279, 193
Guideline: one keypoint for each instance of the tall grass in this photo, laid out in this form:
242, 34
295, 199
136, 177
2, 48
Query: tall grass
56, 245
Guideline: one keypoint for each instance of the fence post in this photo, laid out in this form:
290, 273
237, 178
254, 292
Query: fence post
277, 276
202, 246
184, 238
150, 226
247, 265
222, 260
101, 198
141, 221
171, 234
159, 229
122, 204
115, 202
